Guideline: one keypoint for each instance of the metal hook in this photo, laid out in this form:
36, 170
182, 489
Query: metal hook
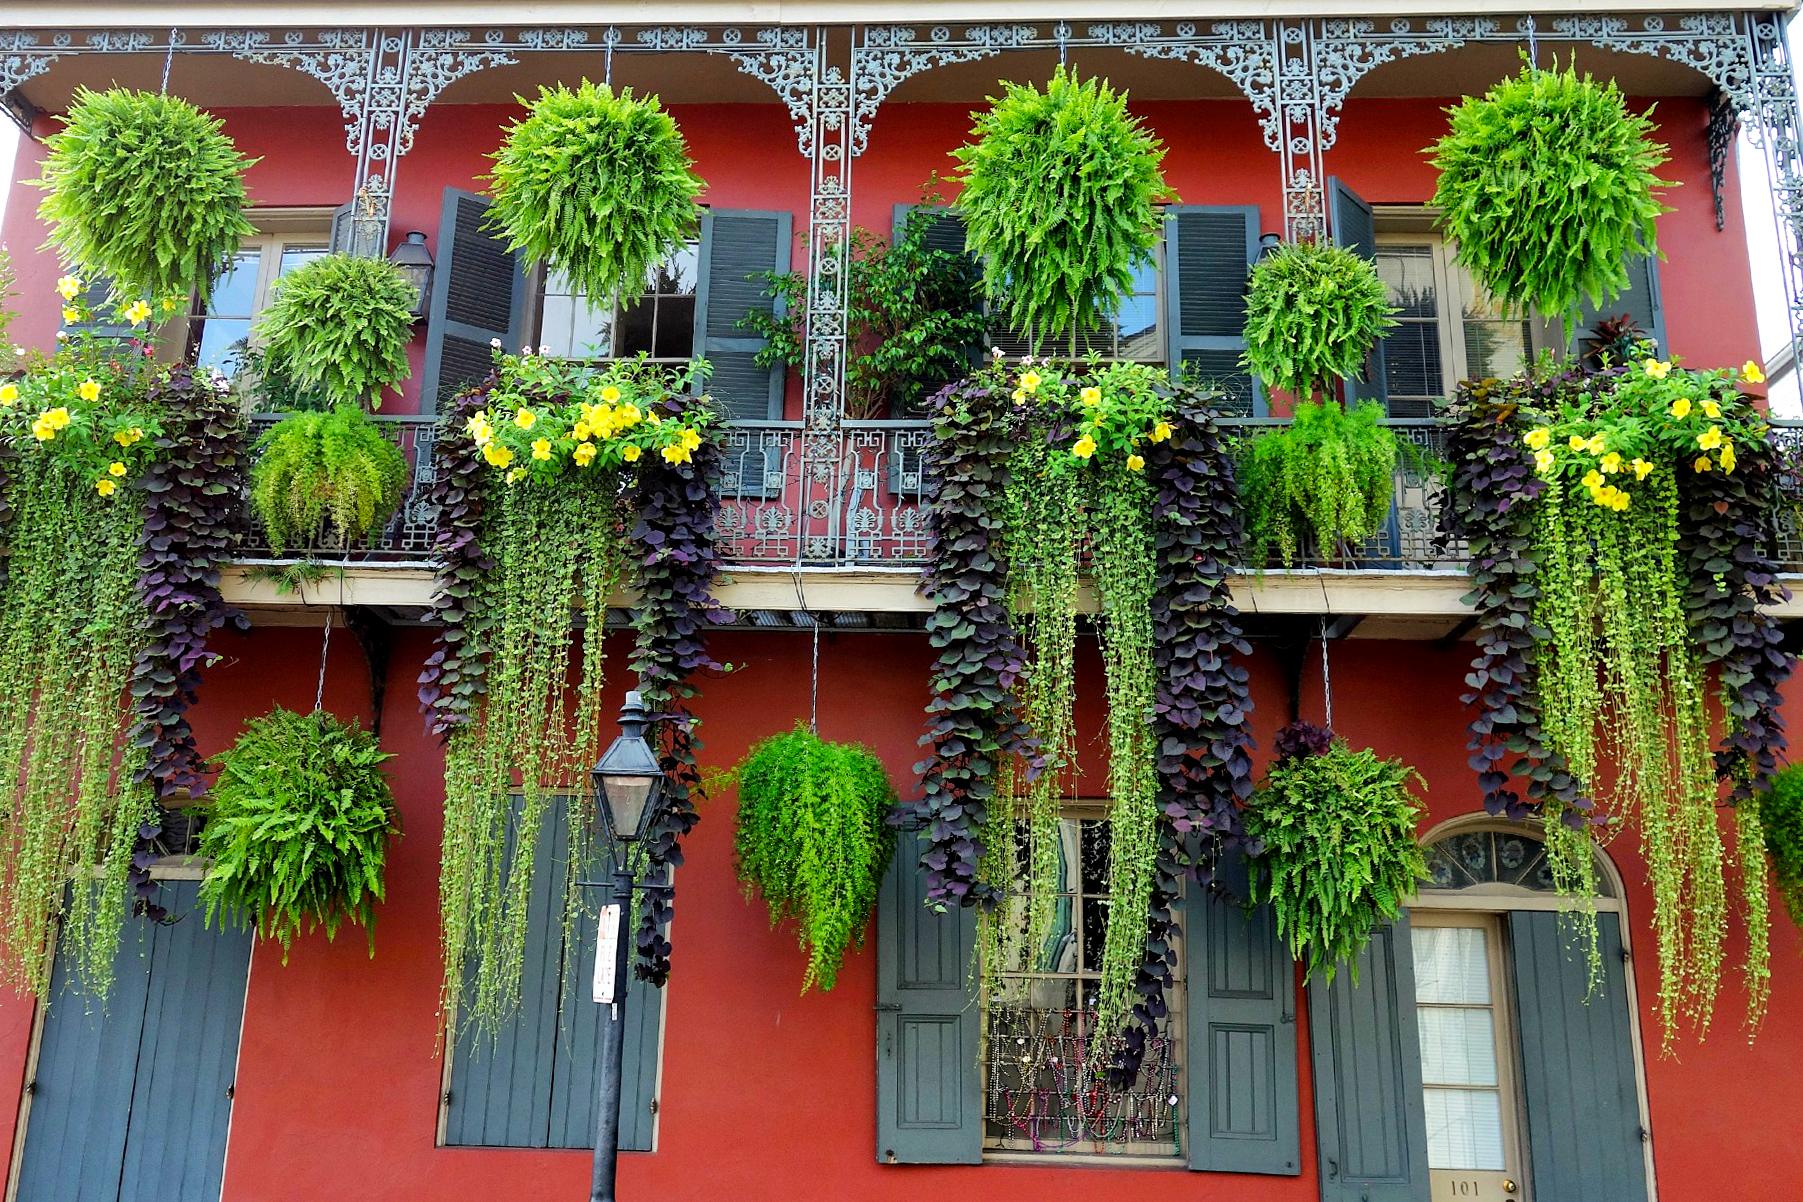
1533, 45
1063, 32
168, 60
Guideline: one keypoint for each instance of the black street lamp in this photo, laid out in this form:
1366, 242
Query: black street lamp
629, 783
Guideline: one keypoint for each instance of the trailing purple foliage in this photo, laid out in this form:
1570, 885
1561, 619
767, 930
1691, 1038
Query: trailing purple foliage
1299, 741
451, 686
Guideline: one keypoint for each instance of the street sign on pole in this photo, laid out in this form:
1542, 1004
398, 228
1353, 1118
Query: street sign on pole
606, 952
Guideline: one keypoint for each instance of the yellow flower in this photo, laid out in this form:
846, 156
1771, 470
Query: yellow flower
1538, 439
1711, 409
1592, 479
629, 452
675, 454
1030, 381
126, 438
1619, 501
115, 469
1576, 443
87, 390
1641, 468
610, 394
1543, 462
1135, 463
691, 440
71, 315
170, 304
42, 430
541, 448
497, 455
137, 311
525, 419
104, 487
1710, 439
1728, 457
479, 429
1657, 368
514, 475
1595, 444
1702, 464
1161, 431
584, 454
1749, 371
582, 433
1090, 396
628, 415
9, 394
1611, 463
1020, 396
1084, 447
1681, 407
69, 286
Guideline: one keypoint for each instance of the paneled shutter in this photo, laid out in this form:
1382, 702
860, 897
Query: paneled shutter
1578, 1079
737, 246
1640, 301
1208, 249
1242, 1035
1370, 1120
478, 294
1355, 228
129, 1101
532, 1084
929, 1087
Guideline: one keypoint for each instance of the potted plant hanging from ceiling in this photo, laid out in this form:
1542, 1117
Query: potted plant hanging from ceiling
1059, 200
1313, 313
1546, 190
1781, 816
145, 191
620, 463
813, 839
598, 185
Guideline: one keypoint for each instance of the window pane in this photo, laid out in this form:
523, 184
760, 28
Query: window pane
1412, 366
1464, 1129
235, 293
637, 323
297, 256
222, 340
1458, 1046
1409, 272
1495, 348
678, 275
675, 327
1452, 964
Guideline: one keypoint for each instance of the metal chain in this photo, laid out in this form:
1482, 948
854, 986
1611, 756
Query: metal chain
1533, 45
168, 60
1326, 679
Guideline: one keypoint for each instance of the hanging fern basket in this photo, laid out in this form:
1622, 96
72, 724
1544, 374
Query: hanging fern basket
1547, 188
341, 325
597, 184
326, 479
144, 190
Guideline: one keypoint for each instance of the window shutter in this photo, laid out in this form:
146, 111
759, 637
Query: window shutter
97, 298
1355, 229
1208, 250
1370, 1118
1578, 1079
1640, 300
1242, 1035
478, 289
928, 1082
736, 246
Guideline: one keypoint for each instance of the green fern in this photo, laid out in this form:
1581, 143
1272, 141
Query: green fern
813, 840
596, 184
1330, 473
1781, 816
326, 479
1313, 313
340, 324
144, 190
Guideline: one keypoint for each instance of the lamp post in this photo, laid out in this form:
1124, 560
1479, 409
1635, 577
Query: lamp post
629, 782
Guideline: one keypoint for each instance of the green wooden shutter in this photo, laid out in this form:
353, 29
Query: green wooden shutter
1241, 990
928, 1082
478, 294
1208, 249
1370, 1117
1355, 228
1640, 300
1577, 1055
736, 247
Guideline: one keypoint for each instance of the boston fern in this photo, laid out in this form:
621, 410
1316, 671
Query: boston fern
298, 829
598, 184
1329, 474
1339, 852
1781, 814
1313, 313
145, 190
1060, 189
813, 840
326, 478
340, 324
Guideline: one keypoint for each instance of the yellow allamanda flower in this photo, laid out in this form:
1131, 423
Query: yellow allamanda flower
1020, 396
105, 487
479, 429
69, 286
627, 415
1592, 479
87, 390
71, 315
691, 439
1728, 457
137, 311
1711, 409
584, 454
514, 475
126, 438
1611, 463
42, 430
115, 468
582, 433
1135, 463
1161, 431
1595, 444
1749, 371
675, 453
1702, 464
1641, 468
1030, 382
1538, 439
1577, 442
497, 455
1657, 368
630, 453
1084, 447
541, 449
525, 419
1681, 407
1543, 462
9, 394
1710, 439
1090, 396
610, 394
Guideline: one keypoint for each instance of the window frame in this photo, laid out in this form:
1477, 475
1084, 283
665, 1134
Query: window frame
538, 280
278, 230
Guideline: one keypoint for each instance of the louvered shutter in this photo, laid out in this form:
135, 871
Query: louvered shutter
478, 290
97, 298
1241, 991
1577, 1055
1355, 228
737, 247
928, 1081
1208, 251
1640, 301
1370, 1117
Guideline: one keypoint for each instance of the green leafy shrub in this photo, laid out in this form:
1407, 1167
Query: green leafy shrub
146, 190
596, 184
1330, 473
1313, 313
1546, 186
1059, 195
298, 829
340, 324
326, 479
1781, 814
1339, 854
812, 839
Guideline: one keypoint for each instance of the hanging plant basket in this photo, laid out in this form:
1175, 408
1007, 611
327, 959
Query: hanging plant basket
598, 185
1059, 201
1781, 814
1313, 313
298, 829
340, 324
326, 480
1329, 475
1547, 189
146, 191
814, 842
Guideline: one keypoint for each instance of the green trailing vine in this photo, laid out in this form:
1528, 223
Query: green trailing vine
1060, 195
1781, 823
339, 324
1338, 854
298, 831
812, 839
1329, 475
1547, 190
1313, 313
326, 479
145, 190
596, 183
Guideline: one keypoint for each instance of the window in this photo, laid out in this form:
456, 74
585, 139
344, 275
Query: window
1133, 335
1041, 1089
660, 322
219, 331
1447, 329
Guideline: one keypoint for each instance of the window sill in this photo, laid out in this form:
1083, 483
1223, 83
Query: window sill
1082, 1160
